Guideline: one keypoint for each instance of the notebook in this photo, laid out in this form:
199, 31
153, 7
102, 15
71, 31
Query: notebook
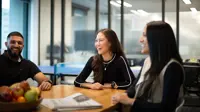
77, 101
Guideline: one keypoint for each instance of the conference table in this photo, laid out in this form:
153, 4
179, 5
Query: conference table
71, 70
101, 96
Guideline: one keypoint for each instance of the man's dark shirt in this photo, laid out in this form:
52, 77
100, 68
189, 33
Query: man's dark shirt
15, 71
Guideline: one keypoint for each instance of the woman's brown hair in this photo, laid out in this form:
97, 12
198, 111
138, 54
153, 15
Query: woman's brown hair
115, 48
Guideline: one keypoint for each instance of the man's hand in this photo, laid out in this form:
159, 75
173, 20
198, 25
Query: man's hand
96, 86
45, 85
122, 98
43, 81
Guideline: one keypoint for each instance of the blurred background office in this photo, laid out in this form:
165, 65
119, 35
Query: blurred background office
64, 30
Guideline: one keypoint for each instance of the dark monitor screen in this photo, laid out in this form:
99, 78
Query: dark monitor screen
84, 40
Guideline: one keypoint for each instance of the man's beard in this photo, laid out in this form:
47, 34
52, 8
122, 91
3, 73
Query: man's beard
13, 55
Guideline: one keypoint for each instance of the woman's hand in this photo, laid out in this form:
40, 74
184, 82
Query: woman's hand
107, 85
96, 86
122, 98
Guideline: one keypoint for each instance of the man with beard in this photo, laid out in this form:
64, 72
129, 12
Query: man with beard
14, 68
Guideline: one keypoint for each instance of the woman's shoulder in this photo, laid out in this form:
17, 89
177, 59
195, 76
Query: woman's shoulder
174, 65
174, 62
120, 59
91, 59
147, 60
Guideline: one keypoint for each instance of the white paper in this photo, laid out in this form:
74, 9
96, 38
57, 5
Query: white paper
69, 103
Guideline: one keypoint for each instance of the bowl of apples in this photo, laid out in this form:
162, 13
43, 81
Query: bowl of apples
19, 97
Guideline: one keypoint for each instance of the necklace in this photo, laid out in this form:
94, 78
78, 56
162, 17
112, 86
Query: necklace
105, 66
107, 63
110, 60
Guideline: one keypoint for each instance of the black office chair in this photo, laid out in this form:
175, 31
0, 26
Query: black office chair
135, 61
192, 76
192, 60
56, 52
180, 104
192, 84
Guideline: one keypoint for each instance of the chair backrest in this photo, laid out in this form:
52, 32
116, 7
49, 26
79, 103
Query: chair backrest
68, 68
193, 60
135, 62
192, 73
180, 103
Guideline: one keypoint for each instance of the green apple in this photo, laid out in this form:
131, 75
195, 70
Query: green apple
14, 85
31, 95
37, 89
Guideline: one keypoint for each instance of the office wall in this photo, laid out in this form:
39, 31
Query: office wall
44, 29
45, 19
57, 21
16, 16
12, 19
133, 25
82, 20
33, 31
116, 20
68, 22
72, 25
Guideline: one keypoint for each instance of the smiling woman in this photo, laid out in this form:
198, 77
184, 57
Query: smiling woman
109, 66
159, 86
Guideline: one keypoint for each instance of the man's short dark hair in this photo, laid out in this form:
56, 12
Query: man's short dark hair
15, 33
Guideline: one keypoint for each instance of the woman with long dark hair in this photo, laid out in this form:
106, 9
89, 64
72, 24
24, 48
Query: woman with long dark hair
159, 85
109, 66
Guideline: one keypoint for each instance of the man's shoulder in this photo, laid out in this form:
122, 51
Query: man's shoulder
2, 58
29, 62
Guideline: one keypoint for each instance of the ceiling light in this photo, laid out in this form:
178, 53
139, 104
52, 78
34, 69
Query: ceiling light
125, 4
194, 10
115, 4
142, 12
187, 1
135, 12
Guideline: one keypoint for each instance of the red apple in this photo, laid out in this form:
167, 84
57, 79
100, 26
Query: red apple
5, 94
17, 91
25, 85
